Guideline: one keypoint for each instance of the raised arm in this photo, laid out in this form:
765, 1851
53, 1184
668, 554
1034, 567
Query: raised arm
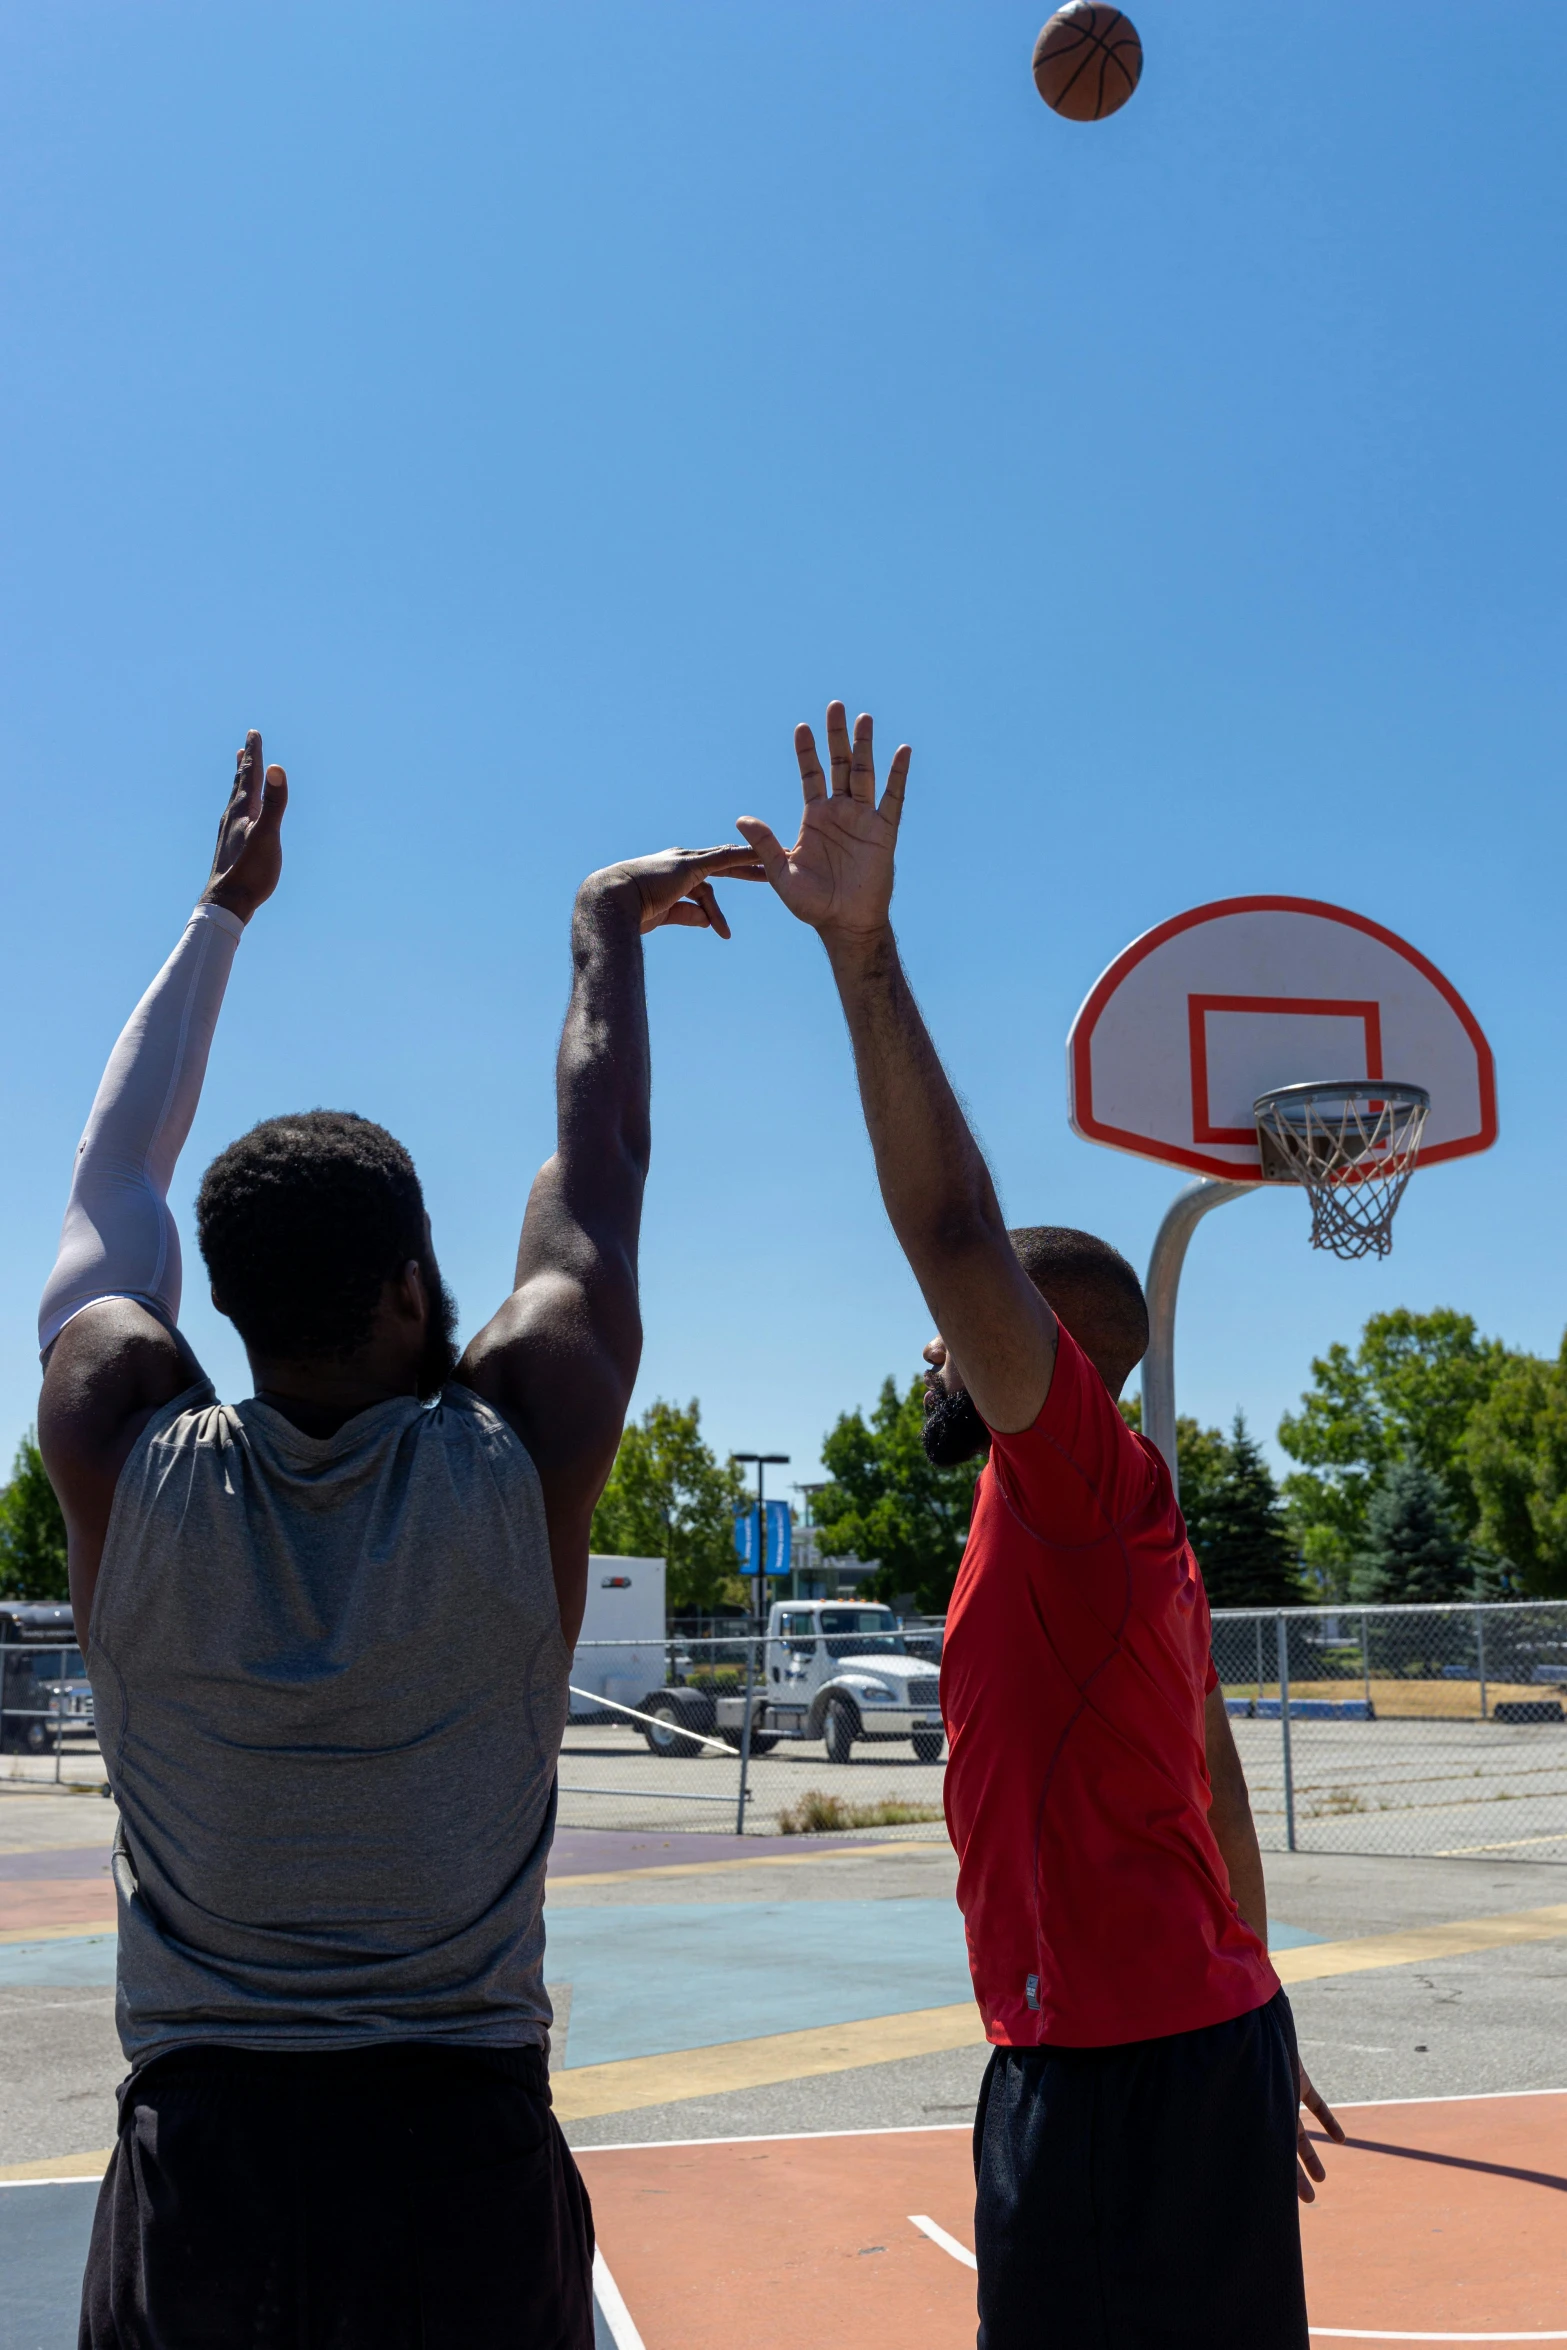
838, 878
560, 1358
112, 1354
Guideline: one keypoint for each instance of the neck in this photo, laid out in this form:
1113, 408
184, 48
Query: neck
320, 1398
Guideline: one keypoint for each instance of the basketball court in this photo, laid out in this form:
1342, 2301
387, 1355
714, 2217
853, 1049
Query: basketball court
1442, 2223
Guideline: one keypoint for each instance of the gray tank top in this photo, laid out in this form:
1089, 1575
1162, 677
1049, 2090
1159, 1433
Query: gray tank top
330, 1687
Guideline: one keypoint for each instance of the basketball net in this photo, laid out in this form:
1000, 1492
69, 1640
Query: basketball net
1353, 1149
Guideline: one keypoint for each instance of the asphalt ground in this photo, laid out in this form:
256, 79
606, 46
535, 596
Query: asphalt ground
694, 1953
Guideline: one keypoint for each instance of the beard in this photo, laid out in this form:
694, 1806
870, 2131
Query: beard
953, 1430
439, 1359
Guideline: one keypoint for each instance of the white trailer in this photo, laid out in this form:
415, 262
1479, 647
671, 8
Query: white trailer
626, 1608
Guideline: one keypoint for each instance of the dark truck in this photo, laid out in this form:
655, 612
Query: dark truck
45, 1698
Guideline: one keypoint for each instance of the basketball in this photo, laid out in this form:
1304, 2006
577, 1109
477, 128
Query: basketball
1087, 61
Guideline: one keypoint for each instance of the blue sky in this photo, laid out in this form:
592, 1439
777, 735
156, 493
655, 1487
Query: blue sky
526, 414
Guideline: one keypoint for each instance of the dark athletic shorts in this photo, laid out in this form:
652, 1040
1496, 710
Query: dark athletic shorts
1142, 2197
411, 2197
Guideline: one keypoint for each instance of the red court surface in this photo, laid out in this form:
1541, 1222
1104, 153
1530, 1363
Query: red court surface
1441, 2221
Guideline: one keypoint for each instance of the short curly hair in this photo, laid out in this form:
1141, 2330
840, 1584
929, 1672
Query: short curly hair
1093, 1289
301, 1222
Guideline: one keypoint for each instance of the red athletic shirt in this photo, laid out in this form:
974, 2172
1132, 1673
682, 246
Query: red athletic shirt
1076, 1663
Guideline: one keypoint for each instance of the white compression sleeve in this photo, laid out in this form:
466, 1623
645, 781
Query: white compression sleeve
119, 1239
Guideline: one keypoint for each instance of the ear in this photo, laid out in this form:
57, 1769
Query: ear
218, 1306
410, 1299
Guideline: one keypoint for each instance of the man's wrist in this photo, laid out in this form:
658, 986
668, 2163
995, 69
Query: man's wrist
611, 891
228, 908
858, 954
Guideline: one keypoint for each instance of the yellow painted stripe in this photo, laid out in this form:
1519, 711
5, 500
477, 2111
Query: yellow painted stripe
59, 1933
60, 2166
759, 1860
1458, 1940
583, 2091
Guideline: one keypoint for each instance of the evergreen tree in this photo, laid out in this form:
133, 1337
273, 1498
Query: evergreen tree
32, 1531
1414, 1550
1237, 1525
670, 1497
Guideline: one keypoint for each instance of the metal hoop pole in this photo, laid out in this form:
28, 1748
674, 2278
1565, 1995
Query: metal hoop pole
1284, 1725
1181, 1219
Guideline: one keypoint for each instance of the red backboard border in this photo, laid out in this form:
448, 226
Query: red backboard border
1171, 1154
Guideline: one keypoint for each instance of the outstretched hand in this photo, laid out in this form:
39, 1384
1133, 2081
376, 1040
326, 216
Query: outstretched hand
1308, 2162
672, 889
248, 860
838, 875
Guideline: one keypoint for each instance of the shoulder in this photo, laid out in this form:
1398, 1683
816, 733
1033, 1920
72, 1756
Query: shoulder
114, 1367
1079, 1461
462, 1417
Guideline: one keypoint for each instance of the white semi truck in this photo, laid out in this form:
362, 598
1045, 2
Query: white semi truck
839, 1670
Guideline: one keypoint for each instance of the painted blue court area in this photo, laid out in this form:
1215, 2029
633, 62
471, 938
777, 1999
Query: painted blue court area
652, 1979
43, 2249
72, 1962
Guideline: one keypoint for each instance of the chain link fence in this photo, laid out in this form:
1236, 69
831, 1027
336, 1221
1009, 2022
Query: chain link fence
47, 1730
1438, 1731
1435, 1730
746, 1735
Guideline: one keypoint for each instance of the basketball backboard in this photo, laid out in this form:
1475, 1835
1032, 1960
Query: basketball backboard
1214, 1007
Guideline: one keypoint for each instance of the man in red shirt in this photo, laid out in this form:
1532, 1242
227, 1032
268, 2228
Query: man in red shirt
1138, 2130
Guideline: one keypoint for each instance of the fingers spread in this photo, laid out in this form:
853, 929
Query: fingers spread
839, 748
897, 777
862, 761
812, 780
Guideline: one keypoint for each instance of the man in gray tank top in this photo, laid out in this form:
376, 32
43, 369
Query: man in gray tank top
328, 1631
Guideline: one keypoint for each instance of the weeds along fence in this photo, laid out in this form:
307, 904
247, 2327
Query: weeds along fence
1437, 1730
658, 1736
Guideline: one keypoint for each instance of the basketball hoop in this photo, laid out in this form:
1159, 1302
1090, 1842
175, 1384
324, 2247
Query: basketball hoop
1352, 1146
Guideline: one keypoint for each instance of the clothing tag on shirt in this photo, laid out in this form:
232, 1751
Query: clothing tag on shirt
1031, 1992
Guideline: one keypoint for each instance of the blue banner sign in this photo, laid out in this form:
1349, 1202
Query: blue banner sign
778, 1530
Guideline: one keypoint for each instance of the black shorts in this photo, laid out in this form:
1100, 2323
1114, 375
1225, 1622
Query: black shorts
412, 2197
1142, 2197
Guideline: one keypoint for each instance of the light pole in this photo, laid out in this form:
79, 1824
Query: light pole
764, 1461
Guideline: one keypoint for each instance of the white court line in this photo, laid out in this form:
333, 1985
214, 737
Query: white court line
67, 2179
612, 2309
928, 2227
788, 2137
1458, 2097
1365, 2334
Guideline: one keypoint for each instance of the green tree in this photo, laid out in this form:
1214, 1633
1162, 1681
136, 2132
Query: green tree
1202, 1452
887, 1502
1414, 1550
670, 1497
32, 1531
1406, 1393
1515, 1451
1236, 1522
